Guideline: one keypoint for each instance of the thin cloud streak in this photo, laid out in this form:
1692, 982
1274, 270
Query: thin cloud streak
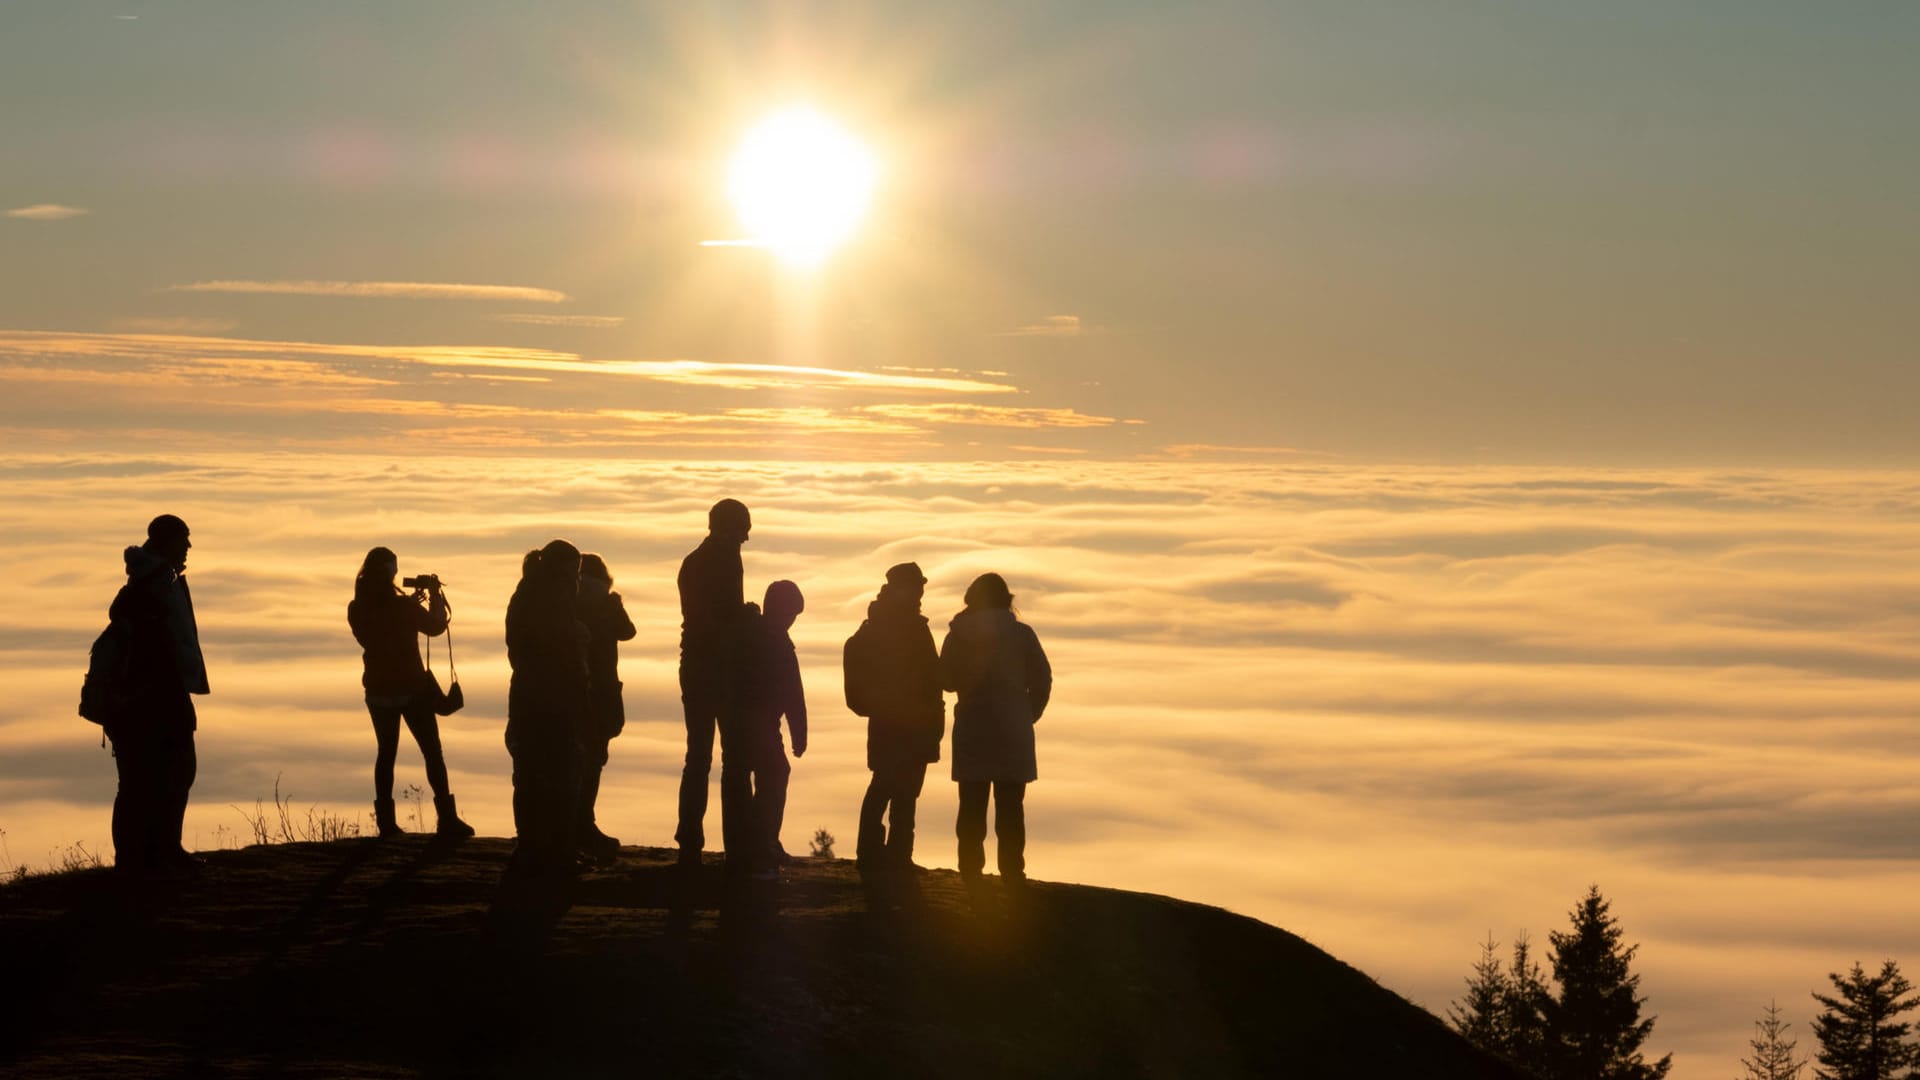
47, 212
402, 290
535, 319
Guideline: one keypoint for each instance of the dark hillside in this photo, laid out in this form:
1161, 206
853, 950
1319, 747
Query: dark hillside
404, 958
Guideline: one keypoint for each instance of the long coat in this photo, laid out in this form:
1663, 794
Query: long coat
994, 664
892, 676
547, 706
605, 617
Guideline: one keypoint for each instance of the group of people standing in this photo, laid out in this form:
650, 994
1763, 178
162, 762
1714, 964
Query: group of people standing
739, 679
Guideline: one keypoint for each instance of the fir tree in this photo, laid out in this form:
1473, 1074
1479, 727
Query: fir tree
1773, 1057
1479, 1017
1524, 1009
1859, 1039
1594, 1030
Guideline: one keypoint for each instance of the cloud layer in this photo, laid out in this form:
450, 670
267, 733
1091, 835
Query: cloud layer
1390, 709
385, 290
46, 212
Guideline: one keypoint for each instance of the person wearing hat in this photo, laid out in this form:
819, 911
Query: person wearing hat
152, 737
892, 676
713, 644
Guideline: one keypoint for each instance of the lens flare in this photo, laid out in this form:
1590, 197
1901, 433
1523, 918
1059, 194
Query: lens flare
801, 183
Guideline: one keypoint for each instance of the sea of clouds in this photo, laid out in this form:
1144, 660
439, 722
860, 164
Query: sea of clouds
1389, 709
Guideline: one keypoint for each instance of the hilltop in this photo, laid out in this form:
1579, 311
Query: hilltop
408, 958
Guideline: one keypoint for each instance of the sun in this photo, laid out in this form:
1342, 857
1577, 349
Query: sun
801, 183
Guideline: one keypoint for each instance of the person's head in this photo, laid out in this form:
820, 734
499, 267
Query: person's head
784, 603
728, 520
167, 538
377, 571
555, 567
989, 591
594, 576
905, 581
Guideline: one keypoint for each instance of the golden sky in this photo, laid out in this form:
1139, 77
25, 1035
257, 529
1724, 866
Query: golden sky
1452, 453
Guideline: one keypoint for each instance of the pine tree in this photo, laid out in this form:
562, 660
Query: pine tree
1773, 1057
1479, 1016
1858, 1037
1524, 1009
1594, 1030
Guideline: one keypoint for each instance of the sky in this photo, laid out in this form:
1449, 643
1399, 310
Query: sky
1454, 453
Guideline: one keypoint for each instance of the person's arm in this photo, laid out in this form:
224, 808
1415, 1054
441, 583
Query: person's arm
623, 629
796, 705
430, 620
1039, 676
949, 677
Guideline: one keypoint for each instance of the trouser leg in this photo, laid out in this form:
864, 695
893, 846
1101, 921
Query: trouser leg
386, 745
971, 826
903, 800
182, 765
771, 772
1010, 827
702, 718
873, 834
736, 794
425, 727
132, 802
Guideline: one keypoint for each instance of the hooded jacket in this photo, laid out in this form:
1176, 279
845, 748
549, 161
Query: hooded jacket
892, 676
607, 623
1002, 681
165, 664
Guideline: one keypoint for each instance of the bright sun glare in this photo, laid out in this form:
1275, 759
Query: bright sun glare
800, 183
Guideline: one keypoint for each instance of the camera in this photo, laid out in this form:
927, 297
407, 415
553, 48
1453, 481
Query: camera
429, 582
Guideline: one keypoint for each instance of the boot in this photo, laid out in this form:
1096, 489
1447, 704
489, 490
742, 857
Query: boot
450, 823
598, 845
383, 818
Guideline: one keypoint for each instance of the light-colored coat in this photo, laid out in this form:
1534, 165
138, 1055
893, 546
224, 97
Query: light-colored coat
995, 666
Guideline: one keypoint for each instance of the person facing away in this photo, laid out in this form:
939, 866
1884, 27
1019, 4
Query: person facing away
892, 676
1001, 679
387, 623
547, 709
712, 600
604, 614
774, 692
152, 737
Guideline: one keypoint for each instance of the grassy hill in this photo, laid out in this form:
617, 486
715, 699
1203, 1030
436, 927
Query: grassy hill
408, 958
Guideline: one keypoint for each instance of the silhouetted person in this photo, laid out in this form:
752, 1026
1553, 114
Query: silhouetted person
153, 736
712, 641
775, 692
892, 676
600, 609
994, 664
387, 623
547, 709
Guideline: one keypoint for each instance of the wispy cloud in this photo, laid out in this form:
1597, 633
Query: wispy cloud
1054, 326
536, 319
175, 324
401, 290
991, 416
46, 212
1213, 450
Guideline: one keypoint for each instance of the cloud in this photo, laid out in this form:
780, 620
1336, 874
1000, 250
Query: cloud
1053, 326
593, 321
46, 212
1212, 450
405, 290
991, 416
175, 324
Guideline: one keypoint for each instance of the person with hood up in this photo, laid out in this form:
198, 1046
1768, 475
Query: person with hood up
774, 691
1001, 679
388, 623
602, 612
152, 737
892, 676
547, 709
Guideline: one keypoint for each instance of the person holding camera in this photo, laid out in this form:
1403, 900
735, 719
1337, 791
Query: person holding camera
386, 621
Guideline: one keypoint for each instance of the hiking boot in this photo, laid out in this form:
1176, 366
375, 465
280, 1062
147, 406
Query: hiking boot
450, 824
597, 844
383, 819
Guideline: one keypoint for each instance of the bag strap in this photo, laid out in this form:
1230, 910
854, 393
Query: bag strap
451, 672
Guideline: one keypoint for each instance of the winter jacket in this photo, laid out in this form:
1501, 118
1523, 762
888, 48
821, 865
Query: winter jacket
711, 600
605, 617
387, 624
165, 664
1000, 675
892, 676
547, 650
774, 688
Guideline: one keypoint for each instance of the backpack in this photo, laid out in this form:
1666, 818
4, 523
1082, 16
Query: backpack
107, 690
857, 663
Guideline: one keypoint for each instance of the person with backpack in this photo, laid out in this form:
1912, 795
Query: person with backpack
603, 613
1001, 679
153, 722
388, 623
892, 676
774, 691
